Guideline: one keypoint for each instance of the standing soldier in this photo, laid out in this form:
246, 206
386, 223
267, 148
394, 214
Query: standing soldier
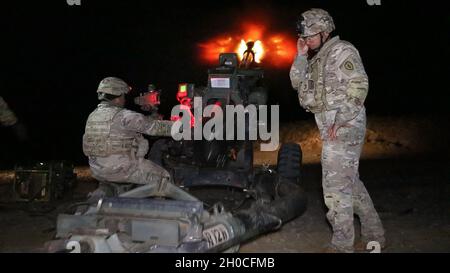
330, 80
114, 143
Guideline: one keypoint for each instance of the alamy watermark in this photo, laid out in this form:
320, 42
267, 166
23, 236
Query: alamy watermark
374, 246
73, 2
237, 123
374, 2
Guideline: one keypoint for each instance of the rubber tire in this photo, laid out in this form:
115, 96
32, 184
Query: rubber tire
290, 161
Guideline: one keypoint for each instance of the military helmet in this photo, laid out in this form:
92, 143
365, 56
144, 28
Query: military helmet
113, 86
314, 21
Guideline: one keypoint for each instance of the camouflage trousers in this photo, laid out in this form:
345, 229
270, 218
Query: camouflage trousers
149, 173
120, 168
344, 193
119, 178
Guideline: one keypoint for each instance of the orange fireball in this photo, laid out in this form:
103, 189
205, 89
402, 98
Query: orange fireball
258, 49
271, 49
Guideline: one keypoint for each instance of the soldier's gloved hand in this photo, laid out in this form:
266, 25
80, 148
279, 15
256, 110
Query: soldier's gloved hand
142, 147
302, 48
20, 131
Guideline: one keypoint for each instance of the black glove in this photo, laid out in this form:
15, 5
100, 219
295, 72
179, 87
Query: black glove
20, 131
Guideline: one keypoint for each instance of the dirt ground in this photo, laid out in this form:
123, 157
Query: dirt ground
411, 196
409, 185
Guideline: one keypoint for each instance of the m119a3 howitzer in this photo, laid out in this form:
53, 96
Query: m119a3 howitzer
224, 200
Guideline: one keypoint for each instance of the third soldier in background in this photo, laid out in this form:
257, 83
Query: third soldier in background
330, 80
8, 118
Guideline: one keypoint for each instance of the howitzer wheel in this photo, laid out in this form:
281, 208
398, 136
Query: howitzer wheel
289, 161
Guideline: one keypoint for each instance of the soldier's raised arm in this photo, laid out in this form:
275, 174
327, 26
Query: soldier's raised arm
134, 121
298, 68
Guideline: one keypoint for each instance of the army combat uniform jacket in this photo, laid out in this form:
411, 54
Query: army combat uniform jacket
114, 143
333, 80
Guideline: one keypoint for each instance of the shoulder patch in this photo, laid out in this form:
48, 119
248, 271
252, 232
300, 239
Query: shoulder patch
348, 65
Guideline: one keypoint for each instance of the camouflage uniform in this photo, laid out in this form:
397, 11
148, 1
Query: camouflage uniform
7, 117
114, 143
333, 85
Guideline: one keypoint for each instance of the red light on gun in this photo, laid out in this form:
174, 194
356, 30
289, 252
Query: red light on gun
153, 98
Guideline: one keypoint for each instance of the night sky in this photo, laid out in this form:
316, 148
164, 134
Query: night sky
54, 56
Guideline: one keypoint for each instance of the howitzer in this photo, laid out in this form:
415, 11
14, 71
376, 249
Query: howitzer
217, 200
